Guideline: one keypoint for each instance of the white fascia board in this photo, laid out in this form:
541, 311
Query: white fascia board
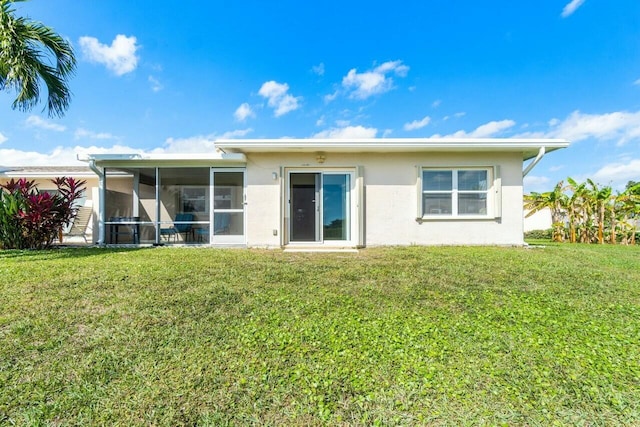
165, 159
529, 147
18, 174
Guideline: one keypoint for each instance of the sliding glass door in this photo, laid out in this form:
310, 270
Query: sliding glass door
320, 207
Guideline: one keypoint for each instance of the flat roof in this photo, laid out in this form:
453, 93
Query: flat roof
529, 147
46, 171
165, 159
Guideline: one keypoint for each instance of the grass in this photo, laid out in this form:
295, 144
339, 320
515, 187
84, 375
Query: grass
393, 336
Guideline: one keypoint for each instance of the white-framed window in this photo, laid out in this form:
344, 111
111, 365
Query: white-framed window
456, 192
195, 199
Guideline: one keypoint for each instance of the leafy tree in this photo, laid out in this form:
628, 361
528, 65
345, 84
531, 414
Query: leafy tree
574, 208
556, 202
600, 197
589, 212
30, 219
30, 54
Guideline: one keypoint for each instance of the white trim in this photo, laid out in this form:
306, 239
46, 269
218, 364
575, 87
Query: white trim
490, 193
230, 239
160, 157
353, 210
529, 147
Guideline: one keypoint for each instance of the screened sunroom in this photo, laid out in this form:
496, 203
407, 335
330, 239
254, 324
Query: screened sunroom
156, 200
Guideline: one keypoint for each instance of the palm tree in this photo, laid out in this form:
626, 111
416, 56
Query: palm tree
631, 208
556, 202
600, 197
574, 205
27, 51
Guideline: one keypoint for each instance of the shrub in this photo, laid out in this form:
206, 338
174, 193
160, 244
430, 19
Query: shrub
30, 219
539, 234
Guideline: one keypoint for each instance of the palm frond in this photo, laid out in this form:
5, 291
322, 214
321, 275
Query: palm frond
31, 54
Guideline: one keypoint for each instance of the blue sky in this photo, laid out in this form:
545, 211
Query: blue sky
159, 76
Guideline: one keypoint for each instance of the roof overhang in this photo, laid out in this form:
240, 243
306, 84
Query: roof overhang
46, 172
528, 147
165, 160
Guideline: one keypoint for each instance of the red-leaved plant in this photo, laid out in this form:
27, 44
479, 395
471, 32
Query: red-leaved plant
30, 219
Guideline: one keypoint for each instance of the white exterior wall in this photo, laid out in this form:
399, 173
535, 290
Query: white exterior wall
263, 202
391, 197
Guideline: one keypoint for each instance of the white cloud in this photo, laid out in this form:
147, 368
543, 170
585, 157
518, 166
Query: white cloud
318, 69
320, 121
82, 133
417, 124
199, 143
637, 82
238, 133
349, 132
436, 103
278, 98
330, 97
156, 86
67, 156
571, 7
60, 156
387, 132
193, 144
3, 138
39, 122
373, 82
456, 115
618, 174
120, 57
620, 126
487, 130
243, 112
536, 183
491, 129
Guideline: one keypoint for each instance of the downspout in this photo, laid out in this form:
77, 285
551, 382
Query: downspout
101, 200
535, 161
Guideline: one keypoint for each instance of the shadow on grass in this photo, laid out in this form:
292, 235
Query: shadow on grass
68, 252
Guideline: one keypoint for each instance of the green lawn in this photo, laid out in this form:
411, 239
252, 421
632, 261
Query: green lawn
394, 336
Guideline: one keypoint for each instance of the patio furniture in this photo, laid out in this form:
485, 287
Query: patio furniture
124, 226
221, 224
182, 225
79, 225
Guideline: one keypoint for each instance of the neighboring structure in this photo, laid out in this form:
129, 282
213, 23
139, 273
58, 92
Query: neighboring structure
540, 220
319, 193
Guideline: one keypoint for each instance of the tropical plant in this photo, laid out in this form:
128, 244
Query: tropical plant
590, 213
30, 219
556, 202
600, 198
27, 51
573, 207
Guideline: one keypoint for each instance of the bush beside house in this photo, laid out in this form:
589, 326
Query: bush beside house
32, 219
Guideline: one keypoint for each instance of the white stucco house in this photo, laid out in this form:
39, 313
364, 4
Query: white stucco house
319, 193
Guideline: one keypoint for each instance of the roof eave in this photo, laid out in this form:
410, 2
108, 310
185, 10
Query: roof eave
529, 147
166, 160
